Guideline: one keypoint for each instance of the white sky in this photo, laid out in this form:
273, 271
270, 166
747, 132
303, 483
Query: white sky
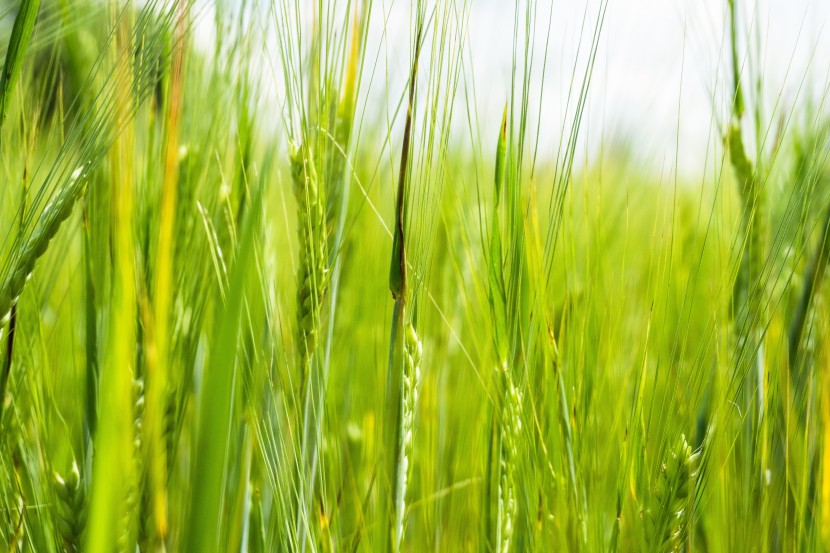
647, 47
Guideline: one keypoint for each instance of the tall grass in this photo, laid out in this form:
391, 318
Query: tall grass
110, 486
274, 277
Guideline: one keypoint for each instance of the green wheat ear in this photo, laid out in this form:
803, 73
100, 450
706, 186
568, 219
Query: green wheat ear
413, 352
53, 216
312, 276
71, 508
511, 429
669, 517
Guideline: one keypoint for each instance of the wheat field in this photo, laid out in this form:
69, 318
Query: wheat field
278, 275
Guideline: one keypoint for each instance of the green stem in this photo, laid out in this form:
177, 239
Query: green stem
815, 274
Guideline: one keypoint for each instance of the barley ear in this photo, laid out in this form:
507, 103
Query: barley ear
511, 428
413, 352
53, 215
312, 276
669, 516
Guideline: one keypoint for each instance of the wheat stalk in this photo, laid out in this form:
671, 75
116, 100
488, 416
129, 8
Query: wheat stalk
159, 364
509, 406
400, 395
750, 286
319, 174
114, 440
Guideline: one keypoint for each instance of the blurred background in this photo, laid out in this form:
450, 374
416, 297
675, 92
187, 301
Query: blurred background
658, 87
